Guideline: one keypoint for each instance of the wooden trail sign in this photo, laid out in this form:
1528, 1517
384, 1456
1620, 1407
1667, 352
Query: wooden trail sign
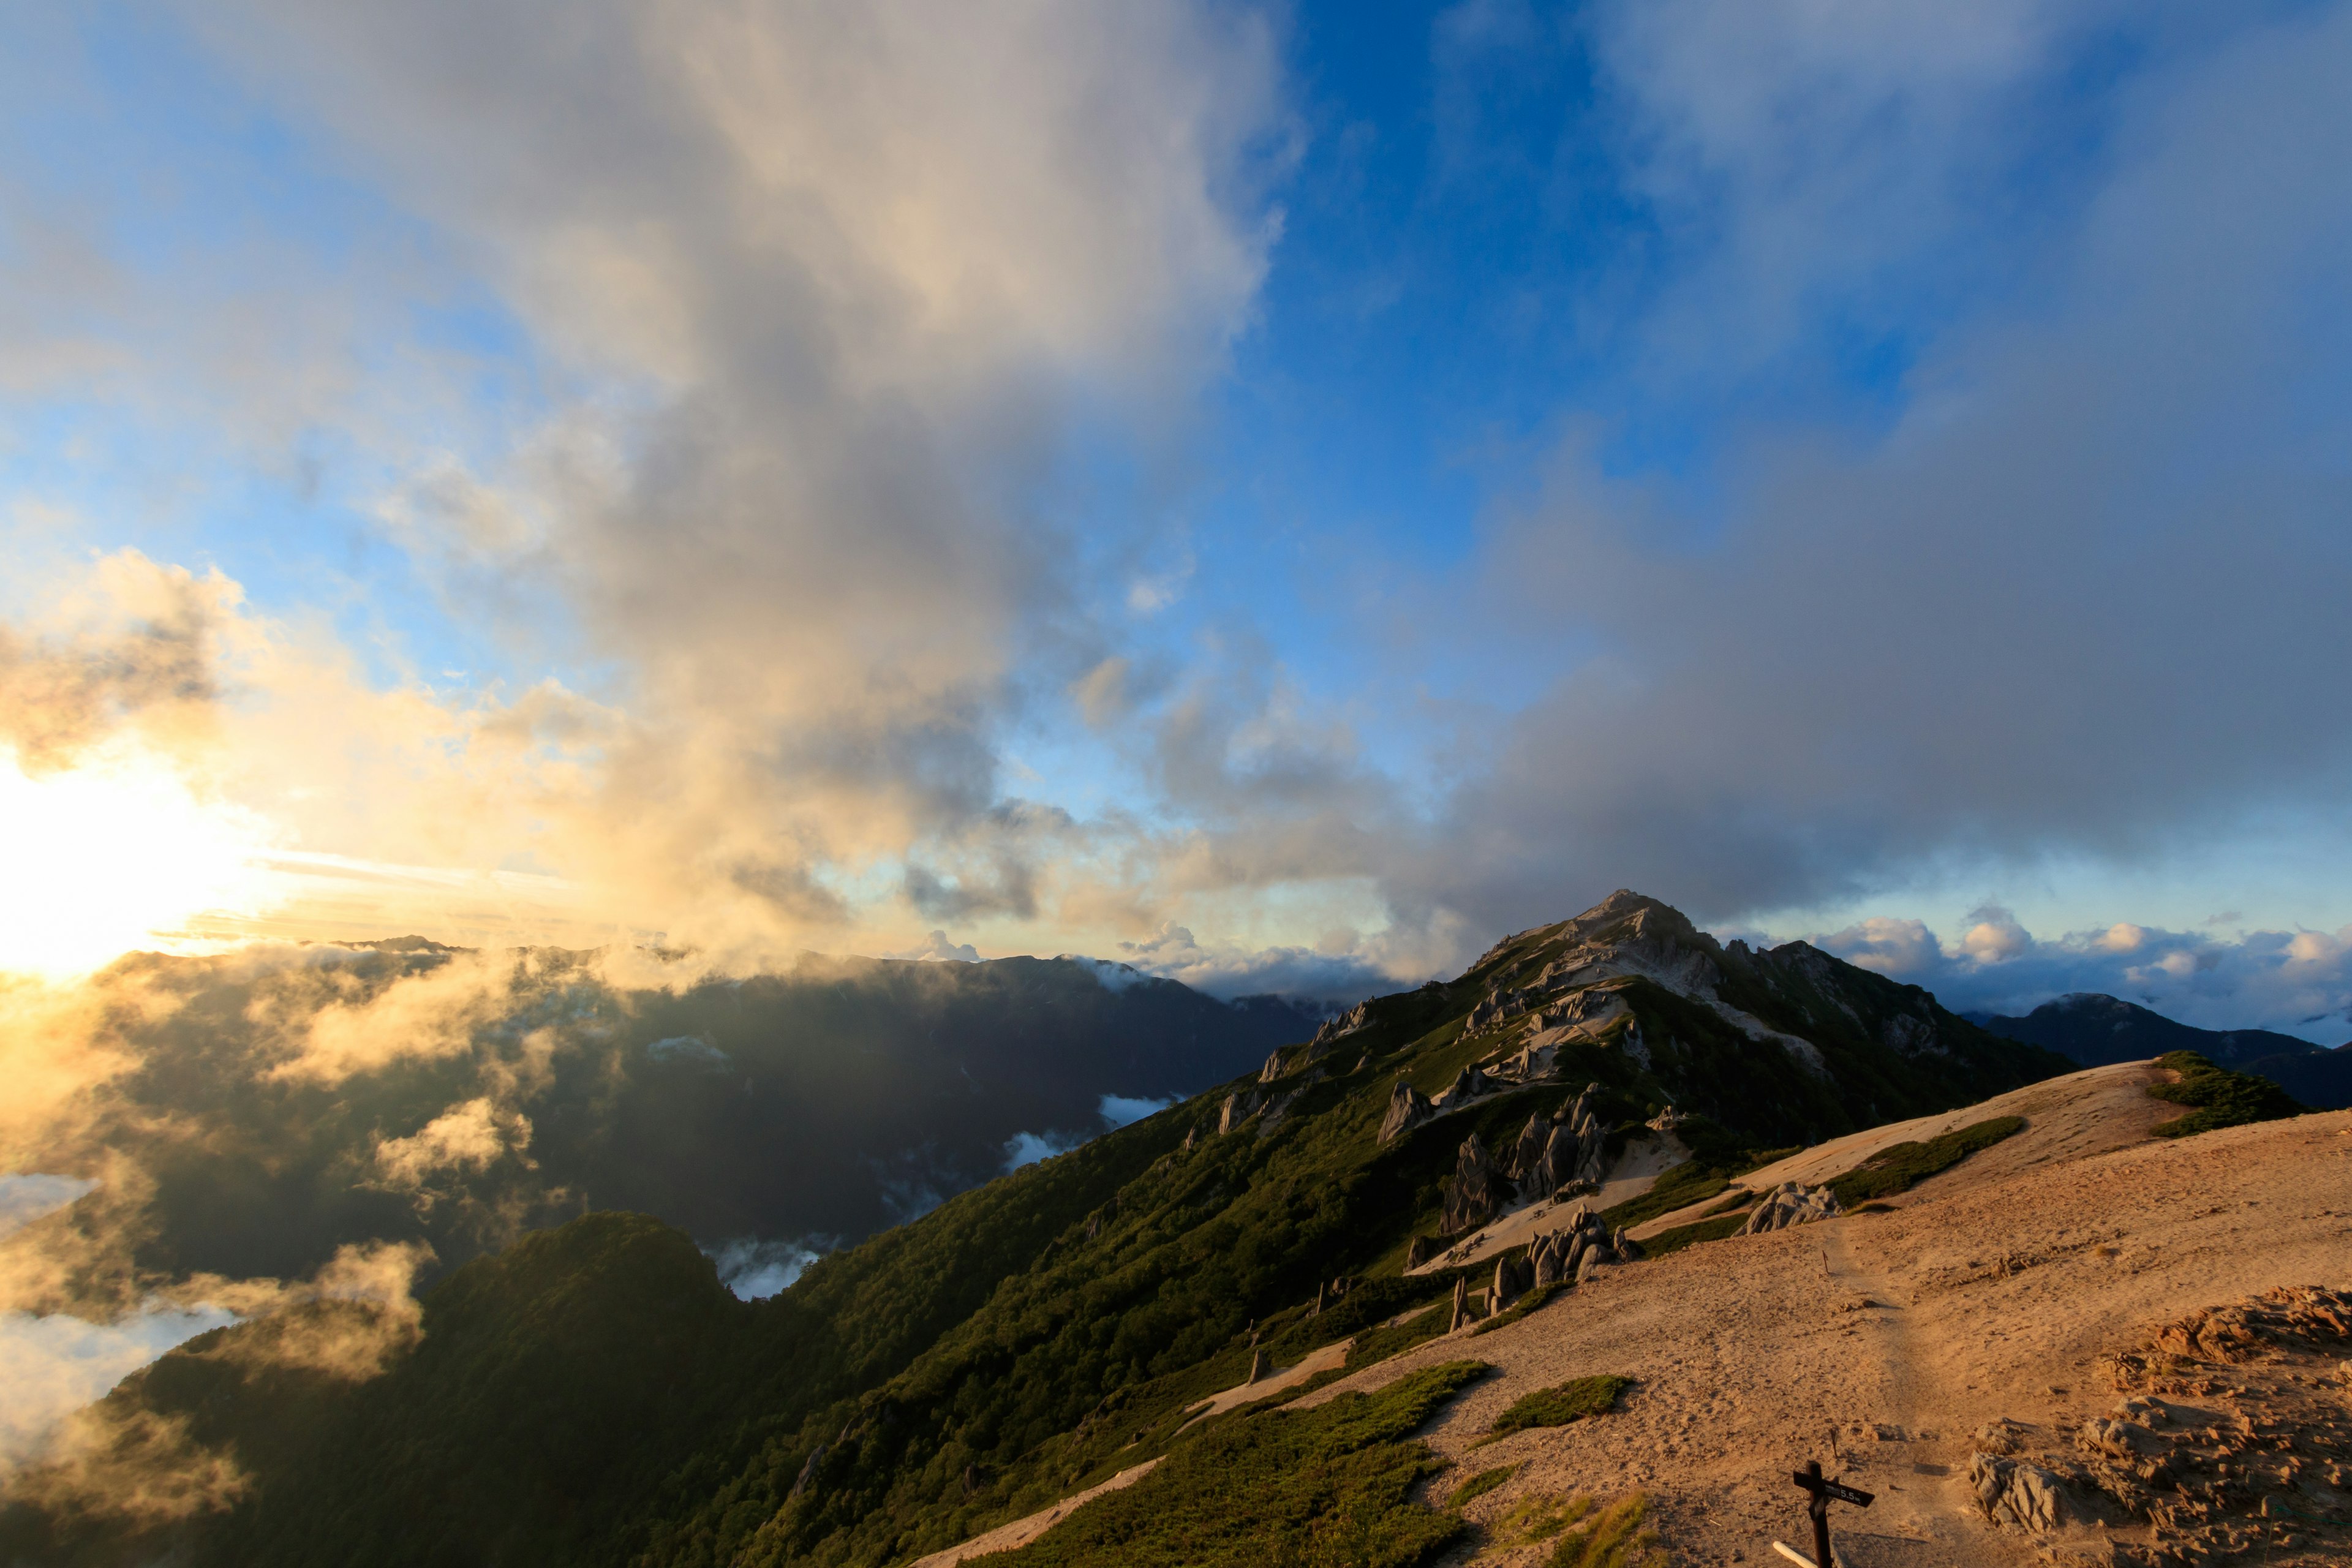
1825, 1491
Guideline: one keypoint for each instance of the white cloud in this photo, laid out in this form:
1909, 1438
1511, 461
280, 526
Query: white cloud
2295, 983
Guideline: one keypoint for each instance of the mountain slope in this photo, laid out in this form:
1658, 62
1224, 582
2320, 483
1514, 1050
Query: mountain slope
2094, 1029
1054, 1326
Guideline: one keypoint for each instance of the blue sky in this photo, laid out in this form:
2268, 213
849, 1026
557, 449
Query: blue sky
1279, 494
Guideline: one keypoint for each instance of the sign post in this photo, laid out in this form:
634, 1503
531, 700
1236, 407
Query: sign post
1824, 1491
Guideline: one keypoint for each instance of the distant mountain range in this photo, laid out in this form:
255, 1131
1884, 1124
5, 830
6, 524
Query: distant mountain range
2094, 1029
593, 1395
285, 1104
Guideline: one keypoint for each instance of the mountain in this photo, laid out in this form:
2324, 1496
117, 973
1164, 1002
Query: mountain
288, 1103
2093, 1029
591, 1396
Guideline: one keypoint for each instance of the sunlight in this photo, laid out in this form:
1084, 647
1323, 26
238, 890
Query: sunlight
111, 854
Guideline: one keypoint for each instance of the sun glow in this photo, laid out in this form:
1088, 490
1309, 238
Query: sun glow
114, 854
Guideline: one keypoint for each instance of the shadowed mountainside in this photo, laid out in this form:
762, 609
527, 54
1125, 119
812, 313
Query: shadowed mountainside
1041, 1332
2094, 1029
288, 1103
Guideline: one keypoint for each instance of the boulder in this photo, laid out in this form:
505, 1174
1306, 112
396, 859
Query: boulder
2019, 1494
1461, 1304
1239, 1107
1789, 1204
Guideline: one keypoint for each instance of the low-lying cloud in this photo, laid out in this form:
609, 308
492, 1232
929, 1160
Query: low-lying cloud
2298, 982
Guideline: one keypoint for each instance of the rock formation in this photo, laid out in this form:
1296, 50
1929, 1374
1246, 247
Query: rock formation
1789, 1204
1476, 1191
1583, 1243
1407, 1108
1461, 1304
1239, 1107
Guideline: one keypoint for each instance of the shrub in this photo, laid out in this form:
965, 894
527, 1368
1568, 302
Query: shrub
1905, 1165
1479, 1485
1331, 1484
1557, 1407
2219, 1098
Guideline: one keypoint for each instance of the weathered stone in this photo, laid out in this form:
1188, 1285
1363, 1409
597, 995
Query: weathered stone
1420, 1250
1789, 1204
1261, 1363
1346, 1023
1506, 1287
2016, 1493
1239, 1107
1461, 1304
1407, 1108
1475, 1191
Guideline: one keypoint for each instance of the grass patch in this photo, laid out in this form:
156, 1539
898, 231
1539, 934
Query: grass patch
1618, 1536
1905, 1165
1479, 1485
1738, 1202
1692, 1181
1539, 1516
2217, 1097
1684, 1235
1378, 1344
1557, 1407
1331, 1484
1519, 1309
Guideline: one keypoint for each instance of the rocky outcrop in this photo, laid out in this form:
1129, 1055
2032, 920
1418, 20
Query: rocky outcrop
1467, 1085
1461, 1305
1791, 1204
1346, 1024
1571, 1147
1239, 1107
2233, 1432
1581, 1244
1289, 1059
2014, 1492
1476, 1191
1278, 1109
1407, 1108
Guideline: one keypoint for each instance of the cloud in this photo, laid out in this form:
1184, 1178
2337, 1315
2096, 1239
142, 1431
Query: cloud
2298, 982
469, 1137
2040, 596
1028, 1147
937, 948
753, 1269
1119, 1109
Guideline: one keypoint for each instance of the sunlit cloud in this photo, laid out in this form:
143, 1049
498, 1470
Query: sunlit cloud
115, 852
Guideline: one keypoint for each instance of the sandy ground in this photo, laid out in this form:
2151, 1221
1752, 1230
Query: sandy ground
1878, 1343
1322, 1359
1021, 1532
2066, 1118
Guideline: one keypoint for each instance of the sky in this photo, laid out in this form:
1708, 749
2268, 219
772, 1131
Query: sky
1277, 495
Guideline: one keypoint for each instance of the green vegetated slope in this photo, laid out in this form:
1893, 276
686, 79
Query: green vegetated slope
591, 1396
2217, 1096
